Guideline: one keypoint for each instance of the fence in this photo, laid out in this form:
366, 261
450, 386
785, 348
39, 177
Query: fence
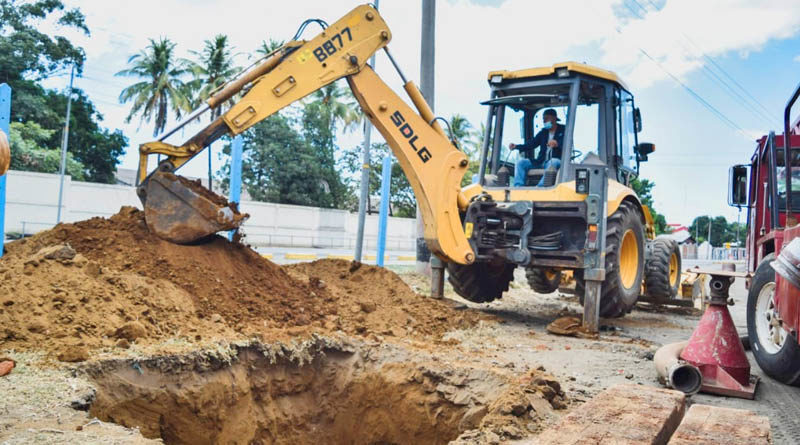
33, 202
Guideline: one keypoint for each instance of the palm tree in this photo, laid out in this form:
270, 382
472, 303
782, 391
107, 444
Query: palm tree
462, 131
213, 67
267, 47
161, 88
340, 105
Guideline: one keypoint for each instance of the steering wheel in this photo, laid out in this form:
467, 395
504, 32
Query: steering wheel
575, 154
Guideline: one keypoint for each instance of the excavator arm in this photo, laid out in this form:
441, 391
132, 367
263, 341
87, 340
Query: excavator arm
181, 212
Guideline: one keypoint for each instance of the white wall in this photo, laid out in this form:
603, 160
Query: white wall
32, 201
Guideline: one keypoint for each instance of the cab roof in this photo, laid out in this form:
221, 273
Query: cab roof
551, 70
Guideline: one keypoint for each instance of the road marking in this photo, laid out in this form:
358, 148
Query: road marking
406, 258
300, 256
266, 255
340, 257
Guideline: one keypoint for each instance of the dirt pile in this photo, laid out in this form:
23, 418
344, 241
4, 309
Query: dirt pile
111, 283
374, 299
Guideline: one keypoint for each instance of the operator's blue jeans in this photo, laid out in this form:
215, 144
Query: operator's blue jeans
525, 164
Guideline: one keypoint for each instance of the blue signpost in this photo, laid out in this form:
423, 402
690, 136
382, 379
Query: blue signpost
236, 175
5, 118
383, 215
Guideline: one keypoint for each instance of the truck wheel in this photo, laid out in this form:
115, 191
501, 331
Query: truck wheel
624, 263
774, 348
662, 270
480, 282
543, 280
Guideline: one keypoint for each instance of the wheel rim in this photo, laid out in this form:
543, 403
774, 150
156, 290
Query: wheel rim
673, 269
771, 335
628, 259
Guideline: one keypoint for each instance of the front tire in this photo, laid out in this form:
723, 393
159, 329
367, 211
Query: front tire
776, 351
480, 282
624, 263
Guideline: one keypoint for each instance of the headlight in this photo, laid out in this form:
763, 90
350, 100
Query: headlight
562, 72
497, 78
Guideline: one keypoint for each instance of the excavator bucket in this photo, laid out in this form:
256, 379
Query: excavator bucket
183, 211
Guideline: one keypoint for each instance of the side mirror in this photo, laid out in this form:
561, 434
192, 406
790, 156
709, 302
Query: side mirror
737, 186
637, 120
643, 149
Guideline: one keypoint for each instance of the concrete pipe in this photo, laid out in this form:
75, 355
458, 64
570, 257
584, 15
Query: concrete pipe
5, 153
675, 373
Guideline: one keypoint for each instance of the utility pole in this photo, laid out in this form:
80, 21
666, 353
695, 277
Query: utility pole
362, 201
427, 58
64, 142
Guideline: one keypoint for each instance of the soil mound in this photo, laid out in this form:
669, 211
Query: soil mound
374, 299
111, 283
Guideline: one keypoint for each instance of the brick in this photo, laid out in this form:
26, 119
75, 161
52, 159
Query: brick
621, 415
704, 424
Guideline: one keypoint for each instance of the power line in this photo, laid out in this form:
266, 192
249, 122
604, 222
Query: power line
693, 93
763, 112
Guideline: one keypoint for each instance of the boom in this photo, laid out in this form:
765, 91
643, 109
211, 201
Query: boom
433, 165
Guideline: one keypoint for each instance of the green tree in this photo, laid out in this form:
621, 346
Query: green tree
162, 87
267, 47
30, 152
721, 231
402, 201
278, 165
28, 56
213, 66
644, 189
329, 109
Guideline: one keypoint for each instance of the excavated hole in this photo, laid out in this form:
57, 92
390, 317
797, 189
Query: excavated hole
335, 397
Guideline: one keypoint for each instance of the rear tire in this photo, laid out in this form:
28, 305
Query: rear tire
543, 280
662, 270
480, 282
781, 361
624, 263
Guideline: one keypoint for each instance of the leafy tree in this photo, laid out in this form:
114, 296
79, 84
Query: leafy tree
30, 152
28, 56
643, 189
721, 231
402, 201
213, 66
267, 47
329, 107
278, 165
162, 87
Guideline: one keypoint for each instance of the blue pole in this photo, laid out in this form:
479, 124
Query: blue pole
236, 175
386, 180
5, 118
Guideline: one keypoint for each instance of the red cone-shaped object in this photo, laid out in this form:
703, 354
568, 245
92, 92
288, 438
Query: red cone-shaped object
715, 348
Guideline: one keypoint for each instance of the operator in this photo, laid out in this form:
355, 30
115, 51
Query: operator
551, 136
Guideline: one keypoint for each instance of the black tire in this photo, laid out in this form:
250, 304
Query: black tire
662, 269
480, 282
543, 280
617, 299
781, 364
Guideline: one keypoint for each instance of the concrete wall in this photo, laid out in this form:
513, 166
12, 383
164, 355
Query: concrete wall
32, 202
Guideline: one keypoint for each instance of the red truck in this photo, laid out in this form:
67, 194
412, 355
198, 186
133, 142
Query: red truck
773, 302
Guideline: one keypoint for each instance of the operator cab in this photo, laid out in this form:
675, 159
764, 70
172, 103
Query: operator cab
594, 107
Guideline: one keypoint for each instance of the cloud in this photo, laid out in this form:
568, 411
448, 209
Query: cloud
473, 38
797, 58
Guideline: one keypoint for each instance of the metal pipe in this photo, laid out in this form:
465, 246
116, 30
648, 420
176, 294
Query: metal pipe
386, 180
64, 143
773, 180
787, 152
674, 372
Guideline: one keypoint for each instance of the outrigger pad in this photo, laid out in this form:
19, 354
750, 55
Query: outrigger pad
183, 211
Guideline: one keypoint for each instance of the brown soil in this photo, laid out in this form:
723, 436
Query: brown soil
361, 395
110, 283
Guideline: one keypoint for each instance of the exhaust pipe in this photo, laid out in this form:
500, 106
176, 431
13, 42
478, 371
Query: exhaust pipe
676, 373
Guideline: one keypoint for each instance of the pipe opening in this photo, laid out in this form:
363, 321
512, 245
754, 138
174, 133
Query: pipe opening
686, 378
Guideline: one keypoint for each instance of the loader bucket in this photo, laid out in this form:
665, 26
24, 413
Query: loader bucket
182, 211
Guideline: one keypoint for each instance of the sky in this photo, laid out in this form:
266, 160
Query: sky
709, 76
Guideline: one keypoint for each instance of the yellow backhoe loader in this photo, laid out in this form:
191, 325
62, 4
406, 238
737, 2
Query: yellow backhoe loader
551, 222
